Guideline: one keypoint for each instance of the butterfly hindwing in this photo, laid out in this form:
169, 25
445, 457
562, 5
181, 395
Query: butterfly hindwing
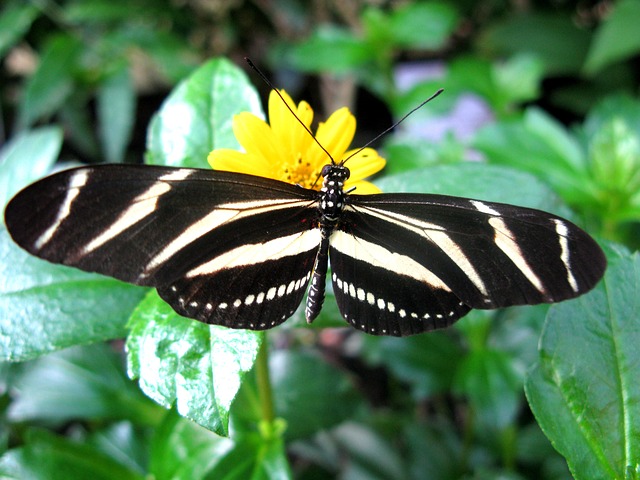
382, 294
205, 239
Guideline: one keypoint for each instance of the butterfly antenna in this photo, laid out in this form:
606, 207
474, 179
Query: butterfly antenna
395, 124
268, 82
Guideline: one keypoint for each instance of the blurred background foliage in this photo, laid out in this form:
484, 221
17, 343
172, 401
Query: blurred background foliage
540, 108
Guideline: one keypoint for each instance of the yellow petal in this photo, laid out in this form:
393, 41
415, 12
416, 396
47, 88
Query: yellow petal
336, 134
288, 131
362, 187
233, 161
364, 163
257, 138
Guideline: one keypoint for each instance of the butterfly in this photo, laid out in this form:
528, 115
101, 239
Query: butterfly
241, 251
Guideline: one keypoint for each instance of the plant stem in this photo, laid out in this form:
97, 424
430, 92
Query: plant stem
264, 382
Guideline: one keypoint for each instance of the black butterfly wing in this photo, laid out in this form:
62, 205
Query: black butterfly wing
220, 247
406, 263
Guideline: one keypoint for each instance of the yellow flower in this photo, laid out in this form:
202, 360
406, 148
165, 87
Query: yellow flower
285, 151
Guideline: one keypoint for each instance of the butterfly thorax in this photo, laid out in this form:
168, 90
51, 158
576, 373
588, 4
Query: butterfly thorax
332, 196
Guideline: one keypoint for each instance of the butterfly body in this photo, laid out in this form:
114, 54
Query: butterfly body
240, 251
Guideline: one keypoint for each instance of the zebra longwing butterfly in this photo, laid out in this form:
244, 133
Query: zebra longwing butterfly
240, 251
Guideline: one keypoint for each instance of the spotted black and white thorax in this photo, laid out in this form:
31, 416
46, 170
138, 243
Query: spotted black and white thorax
241, 251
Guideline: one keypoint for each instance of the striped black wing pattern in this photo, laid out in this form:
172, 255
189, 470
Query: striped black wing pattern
404, 263
223, 248
239, 251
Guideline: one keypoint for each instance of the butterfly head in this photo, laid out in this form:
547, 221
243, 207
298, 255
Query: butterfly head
336, 172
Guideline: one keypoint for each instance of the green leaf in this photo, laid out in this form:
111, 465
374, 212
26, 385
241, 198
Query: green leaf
404, 154
555, 39
196, 367
46, 456
613, 107
371, 455
584, 391
425, 25
501, 84
518, 79
183, 450
126, 441
15, 20
78, 383
540, 145
330, 49
45, 307
53, 81
197, 116
616, 39
476, 180
27, 157
615, 166
492, 385
300, 379
253, 458
78, 118
426, 362
116, 111
171, 52
435, 449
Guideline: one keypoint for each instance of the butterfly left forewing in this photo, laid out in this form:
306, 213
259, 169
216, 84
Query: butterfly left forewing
200, 237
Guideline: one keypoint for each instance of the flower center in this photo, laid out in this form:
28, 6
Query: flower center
301, 172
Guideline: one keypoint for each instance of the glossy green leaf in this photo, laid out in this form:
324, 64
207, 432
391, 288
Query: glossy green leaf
197, 116
196, 367
78, 383
51, 84
15, 19
45, 307
27, 157
617, 38
475, 180
409, 153
584, 391
540, 145
116, 111
45, 456
310, 394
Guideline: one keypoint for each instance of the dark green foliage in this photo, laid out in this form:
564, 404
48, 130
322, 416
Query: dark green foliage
332, 403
